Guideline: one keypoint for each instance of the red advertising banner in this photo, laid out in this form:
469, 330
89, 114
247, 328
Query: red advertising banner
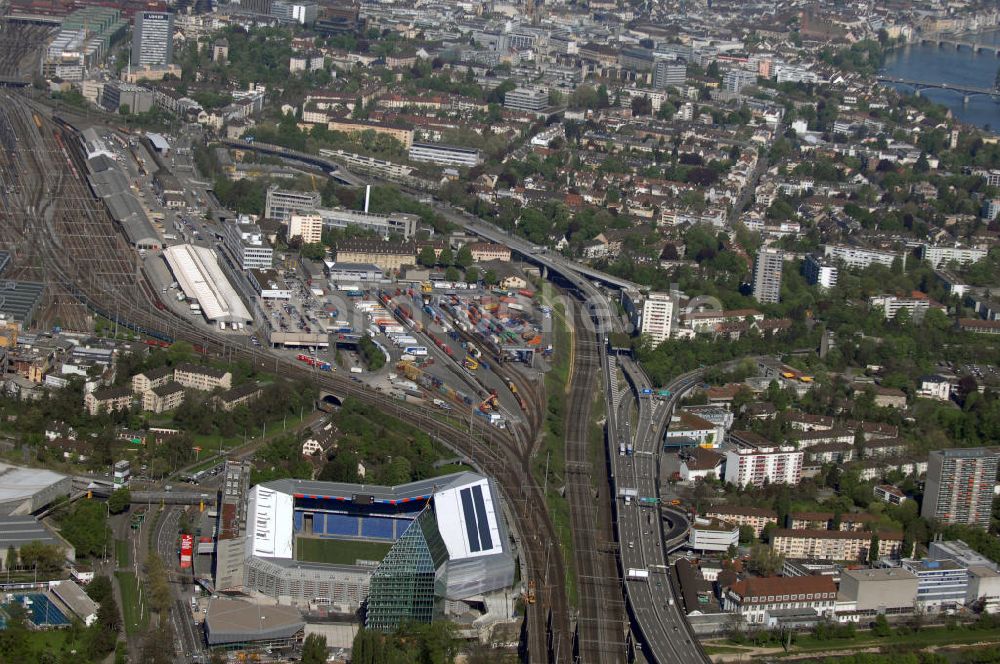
187, 547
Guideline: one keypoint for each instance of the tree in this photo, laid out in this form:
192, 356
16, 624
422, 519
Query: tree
446, 257
426, 257
100, 588
86, 528
313, 251
314, 649
10, 562
490, 278
463, 258
472, 275
119, 500
40, 556
764, 560
452, 273
747, 535
873, 547
881, 627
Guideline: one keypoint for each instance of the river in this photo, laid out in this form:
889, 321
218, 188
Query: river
931, 64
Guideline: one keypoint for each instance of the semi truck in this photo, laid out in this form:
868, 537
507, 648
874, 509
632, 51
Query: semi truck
637, 574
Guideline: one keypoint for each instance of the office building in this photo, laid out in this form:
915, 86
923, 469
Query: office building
309, 227
753, 459
119, 96
526, 99
941, 584
767, 276
713, 535
394, 223
246, 244
736, 79
819, 271
281, 204
880, 590
960, 486
753, 598
667, 73
657, 317
939, 256
445, 155
153, 38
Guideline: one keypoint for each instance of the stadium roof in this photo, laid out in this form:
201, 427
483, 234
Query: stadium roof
467, 519
234, 621
201, 278
386, 495
22, 483
19, 530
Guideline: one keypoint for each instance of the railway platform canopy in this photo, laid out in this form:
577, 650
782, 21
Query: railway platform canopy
200, 276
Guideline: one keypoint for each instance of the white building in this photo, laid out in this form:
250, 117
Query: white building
445, 155
753, 459
309, 227
203, 282
935, 387
712, 535
893, 304
526, 99
820, 272
245, 242
938, 256
657, 317
860, 257
281, 204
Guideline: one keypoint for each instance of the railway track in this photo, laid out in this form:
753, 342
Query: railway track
600, 626
78, 249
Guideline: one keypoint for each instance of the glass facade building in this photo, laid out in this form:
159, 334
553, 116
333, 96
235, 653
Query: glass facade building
402, 587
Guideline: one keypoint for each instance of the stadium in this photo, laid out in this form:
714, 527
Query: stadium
399, 553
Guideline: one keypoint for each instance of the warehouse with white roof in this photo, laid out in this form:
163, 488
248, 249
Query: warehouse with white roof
203, 282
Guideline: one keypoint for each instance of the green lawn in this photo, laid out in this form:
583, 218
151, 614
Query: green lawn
135, 621
450, 468
338, 552
121, 552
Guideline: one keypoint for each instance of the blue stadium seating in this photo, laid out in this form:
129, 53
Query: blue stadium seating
318, 520
338, 524
377, 528
297, 521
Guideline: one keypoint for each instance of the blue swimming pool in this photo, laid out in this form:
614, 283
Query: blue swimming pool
41, 611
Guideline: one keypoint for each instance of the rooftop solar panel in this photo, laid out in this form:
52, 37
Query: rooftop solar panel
482, 522
469, 513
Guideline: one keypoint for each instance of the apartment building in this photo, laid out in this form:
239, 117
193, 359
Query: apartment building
309, 227
891, 305
445, 155
657, 317
753, 459
108, 399
850, 521
153, 38
147, 380
355, 127
281, 204
767, 275
163, 397
819, 271
754, 598
888, 493
960, 485
939, 256
736, 79
241, 395
860, 257
198, 377
834, 544
484, 252
668, 73
755, 517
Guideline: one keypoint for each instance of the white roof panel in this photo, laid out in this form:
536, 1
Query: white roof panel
198, 273
467, 520
269, 523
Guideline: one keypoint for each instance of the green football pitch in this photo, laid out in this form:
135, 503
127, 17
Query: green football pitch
338, 551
